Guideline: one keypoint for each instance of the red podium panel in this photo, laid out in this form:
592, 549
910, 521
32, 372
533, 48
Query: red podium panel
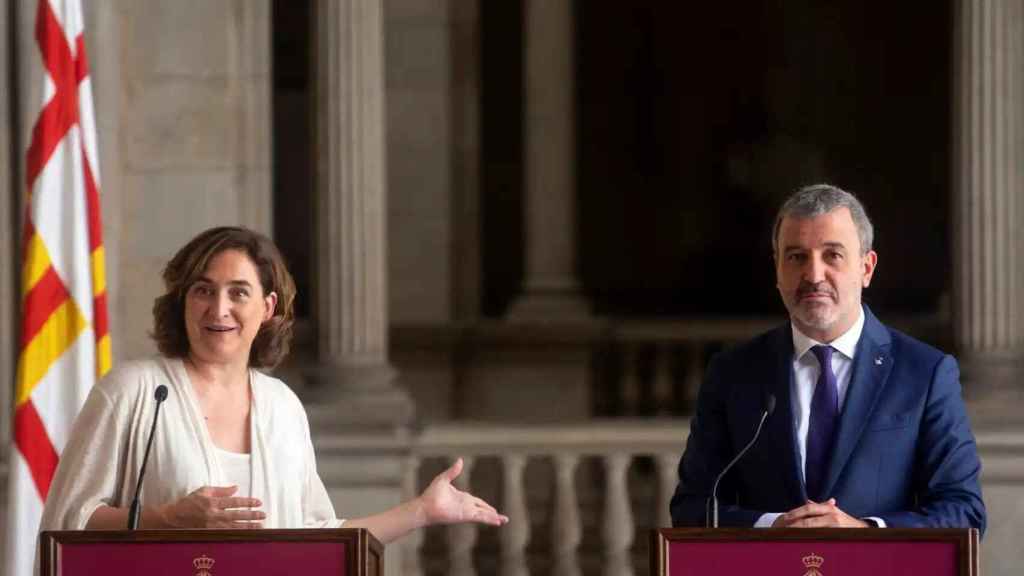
822, 552
335, 552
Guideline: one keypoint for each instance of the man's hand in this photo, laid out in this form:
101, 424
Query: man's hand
815, 515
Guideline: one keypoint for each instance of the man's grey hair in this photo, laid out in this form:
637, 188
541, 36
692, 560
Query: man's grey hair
820, 199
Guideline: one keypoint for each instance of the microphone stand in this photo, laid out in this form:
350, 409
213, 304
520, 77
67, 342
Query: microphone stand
133, 511
768, 409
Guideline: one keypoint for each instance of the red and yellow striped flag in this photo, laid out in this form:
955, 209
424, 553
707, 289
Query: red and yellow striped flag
65, 346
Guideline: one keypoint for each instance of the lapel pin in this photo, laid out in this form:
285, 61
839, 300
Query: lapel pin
878, 360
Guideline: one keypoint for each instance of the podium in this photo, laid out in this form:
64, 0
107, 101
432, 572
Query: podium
334, 552
814, 552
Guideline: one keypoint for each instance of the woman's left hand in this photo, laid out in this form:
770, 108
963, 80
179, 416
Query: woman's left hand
443, 503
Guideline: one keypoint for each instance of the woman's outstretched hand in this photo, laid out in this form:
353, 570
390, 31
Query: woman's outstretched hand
440, 503
214, 507
443, 503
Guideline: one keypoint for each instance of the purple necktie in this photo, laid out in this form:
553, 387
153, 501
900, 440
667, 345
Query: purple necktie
824, 416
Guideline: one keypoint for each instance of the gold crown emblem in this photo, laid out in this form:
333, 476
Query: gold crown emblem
204, 563
812, 560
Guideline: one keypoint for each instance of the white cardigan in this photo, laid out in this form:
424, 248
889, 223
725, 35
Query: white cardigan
100, 463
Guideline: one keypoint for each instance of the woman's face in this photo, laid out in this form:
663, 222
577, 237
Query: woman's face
224, 309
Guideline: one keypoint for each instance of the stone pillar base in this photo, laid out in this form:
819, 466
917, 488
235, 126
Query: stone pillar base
357, 397
363, 473
562, 305
991, 384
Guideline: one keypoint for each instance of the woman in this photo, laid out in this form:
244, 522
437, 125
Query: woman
232, 446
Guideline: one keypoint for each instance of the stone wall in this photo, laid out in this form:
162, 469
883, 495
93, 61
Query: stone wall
182, 94
417, 59
432, 107
432, 85
189, 140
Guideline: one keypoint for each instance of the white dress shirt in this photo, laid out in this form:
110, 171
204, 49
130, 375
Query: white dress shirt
805, 377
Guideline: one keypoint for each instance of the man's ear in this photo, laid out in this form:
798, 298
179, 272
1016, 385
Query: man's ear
869, 262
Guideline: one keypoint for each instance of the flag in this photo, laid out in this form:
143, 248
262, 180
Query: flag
64, 346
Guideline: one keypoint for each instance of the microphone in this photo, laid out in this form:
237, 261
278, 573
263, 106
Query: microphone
133, 511
769, 407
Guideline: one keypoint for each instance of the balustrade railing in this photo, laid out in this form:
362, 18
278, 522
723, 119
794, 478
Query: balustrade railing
618, 446
638, 368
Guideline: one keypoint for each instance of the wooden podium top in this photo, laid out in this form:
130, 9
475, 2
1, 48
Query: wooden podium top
814, 552
339, 552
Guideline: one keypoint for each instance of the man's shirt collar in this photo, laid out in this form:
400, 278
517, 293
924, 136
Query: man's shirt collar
845, 344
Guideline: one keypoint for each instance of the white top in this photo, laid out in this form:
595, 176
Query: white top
101, 461
238, 471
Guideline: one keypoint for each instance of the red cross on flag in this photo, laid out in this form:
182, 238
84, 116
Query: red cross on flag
64, 346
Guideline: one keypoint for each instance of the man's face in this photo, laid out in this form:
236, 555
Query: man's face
820, 272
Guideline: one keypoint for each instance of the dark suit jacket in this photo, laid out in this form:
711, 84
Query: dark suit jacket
904, 450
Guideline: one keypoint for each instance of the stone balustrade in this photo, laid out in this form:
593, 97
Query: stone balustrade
614, 445
618, 447
605, 367
655, 367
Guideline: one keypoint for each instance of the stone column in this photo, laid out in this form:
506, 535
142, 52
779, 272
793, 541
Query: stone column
987, 183
351, 238
551, 287
357, 414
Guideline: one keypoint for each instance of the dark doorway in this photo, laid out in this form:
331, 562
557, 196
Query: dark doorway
293, 162
694, 122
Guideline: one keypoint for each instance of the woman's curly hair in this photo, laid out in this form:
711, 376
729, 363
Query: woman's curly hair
188, 265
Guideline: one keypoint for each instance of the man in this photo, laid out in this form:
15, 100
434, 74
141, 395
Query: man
869, 427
